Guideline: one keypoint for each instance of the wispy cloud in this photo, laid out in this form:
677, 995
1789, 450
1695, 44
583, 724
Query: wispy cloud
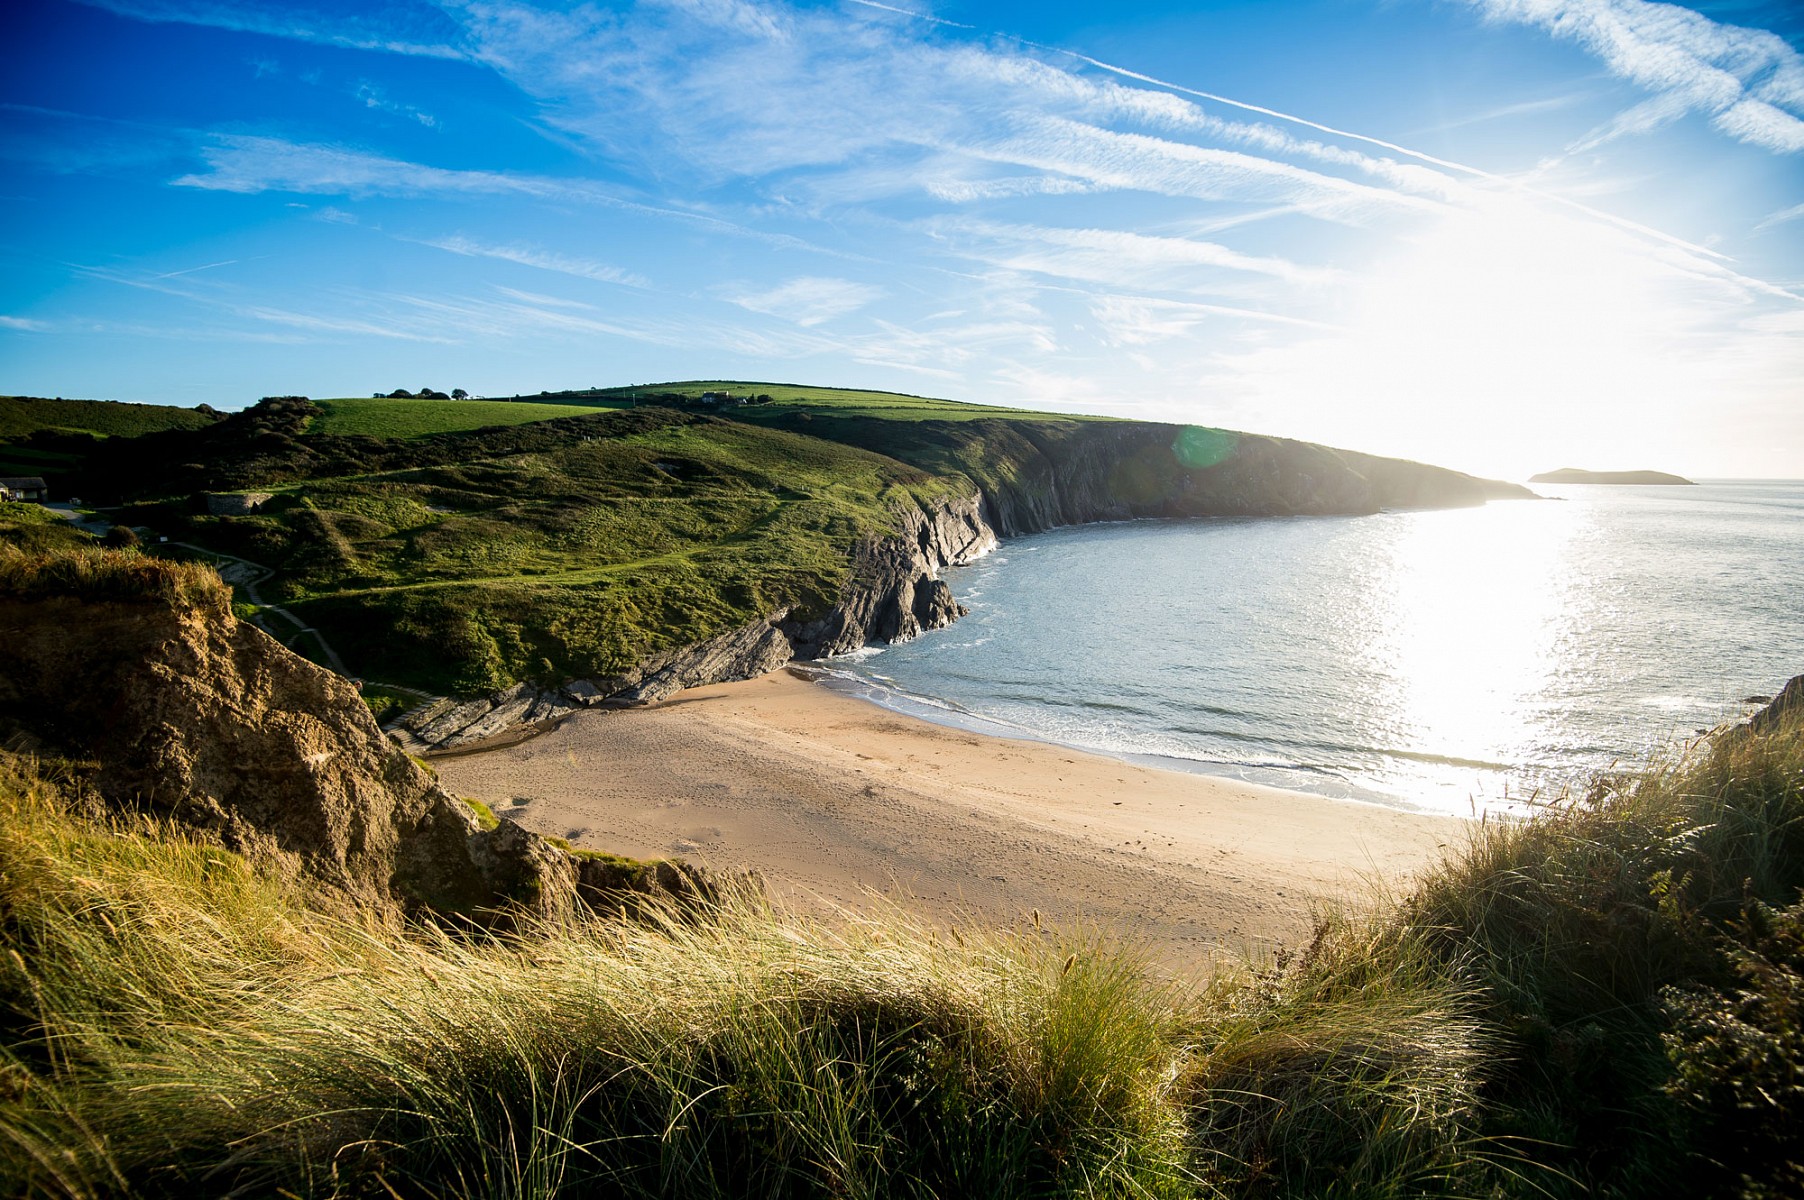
346, 29
1116, 257
1749, 82
1784, 215
24, 324
544, 260
376, 98
808, 301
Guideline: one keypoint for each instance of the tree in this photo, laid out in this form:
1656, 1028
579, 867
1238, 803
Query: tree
459, 394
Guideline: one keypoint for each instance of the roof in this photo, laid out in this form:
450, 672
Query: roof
23, 483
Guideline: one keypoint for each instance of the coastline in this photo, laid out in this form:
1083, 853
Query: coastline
836, 800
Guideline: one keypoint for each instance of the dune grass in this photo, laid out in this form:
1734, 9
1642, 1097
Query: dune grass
1586, 1004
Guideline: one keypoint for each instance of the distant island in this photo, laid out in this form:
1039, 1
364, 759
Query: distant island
1575, 475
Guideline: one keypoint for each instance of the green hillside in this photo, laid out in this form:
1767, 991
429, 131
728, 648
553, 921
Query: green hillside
464, 561
774, 400
22, 416
386, 418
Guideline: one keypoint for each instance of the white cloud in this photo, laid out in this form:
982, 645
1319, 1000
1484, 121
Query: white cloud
544, 260
808, 300
24, 324
1745, 80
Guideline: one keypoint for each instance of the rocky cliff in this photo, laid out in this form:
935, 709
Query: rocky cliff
1039, 474
894, 594
139, 672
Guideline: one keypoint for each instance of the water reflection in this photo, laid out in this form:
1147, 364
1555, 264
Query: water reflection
1476, 608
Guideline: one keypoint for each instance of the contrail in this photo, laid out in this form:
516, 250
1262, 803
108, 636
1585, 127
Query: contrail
1420, 156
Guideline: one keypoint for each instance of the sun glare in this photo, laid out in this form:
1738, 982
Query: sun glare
1503, 334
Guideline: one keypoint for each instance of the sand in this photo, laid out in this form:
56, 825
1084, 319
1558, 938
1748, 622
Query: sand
833, 799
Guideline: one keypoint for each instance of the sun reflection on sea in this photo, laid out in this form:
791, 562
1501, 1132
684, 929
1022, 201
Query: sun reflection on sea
1472, 612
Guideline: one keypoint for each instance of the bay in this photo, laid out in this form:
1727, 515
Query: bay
1463, 660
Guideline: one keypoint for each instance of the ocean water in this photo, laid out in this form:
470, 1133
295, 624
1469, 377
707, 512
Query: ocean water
1462, 660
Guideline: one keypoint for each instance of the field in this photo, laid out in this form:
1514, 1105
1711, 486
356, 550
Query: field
386, 418
788, 399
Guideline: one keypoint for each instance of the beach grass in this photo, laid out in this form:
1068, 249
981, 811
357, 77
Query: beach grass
1584, 1004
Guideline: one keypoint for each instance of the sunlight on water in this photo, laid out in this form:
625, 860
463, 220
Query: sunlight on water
1460, 660
1473, 609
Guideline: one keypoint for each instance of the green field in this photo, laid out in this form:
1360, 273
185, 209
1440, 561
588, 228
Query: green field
386, 418
22, 416
788, 398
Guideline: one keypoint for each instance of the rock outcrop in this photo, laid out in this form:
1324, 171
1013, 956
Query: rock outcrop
184, 710
1790, 700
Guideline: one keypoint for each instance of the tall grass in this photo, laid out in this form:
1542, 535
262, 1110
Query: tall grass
1566, 1007
98, 574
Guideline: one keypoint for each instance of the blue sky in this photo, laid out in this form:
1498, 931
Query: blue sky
1502, 235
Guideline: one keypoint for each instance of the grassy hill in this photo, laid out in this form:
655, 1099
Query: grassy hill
22, 416
385, 418
773, 401
49, 437
464, 545
462, 561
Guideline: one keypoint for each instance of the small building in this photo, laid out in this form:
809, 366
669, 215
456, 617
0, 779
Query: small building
717, 397
25, 487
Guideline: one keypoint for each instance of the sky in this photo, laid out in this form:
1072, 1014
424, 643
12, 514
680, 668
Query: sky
1499, 235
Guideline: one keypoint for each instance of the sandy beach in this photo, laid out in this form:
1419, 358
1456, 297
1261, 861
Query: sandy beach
832, 798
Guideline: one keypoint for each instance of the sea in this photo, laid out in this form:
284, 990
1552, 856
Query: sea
1464, 661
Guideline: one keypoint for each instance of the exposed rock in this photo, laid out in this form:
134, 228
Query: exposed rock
1790, 700
186, 711
895, 593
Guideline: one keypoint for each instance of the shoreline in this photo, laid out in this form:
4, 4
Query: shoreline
837, 801
831, 673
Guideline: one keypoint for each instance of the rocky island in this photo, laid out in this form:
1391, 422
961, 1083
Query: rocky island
1578, 475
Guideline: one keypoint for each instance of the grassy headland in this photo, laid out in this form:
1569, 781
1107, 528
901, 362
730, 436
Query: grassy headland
464, 545
1606, 1001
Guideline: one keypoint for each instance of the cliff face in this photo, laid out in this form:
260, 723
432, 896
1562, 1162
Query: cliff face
188, 712
1037, 475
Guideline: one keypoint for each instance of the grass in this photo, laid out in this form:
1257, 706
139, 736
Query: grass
22, 416
34, 528
573, 555
90, 573
386, 418
789, 400
1582, 1005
